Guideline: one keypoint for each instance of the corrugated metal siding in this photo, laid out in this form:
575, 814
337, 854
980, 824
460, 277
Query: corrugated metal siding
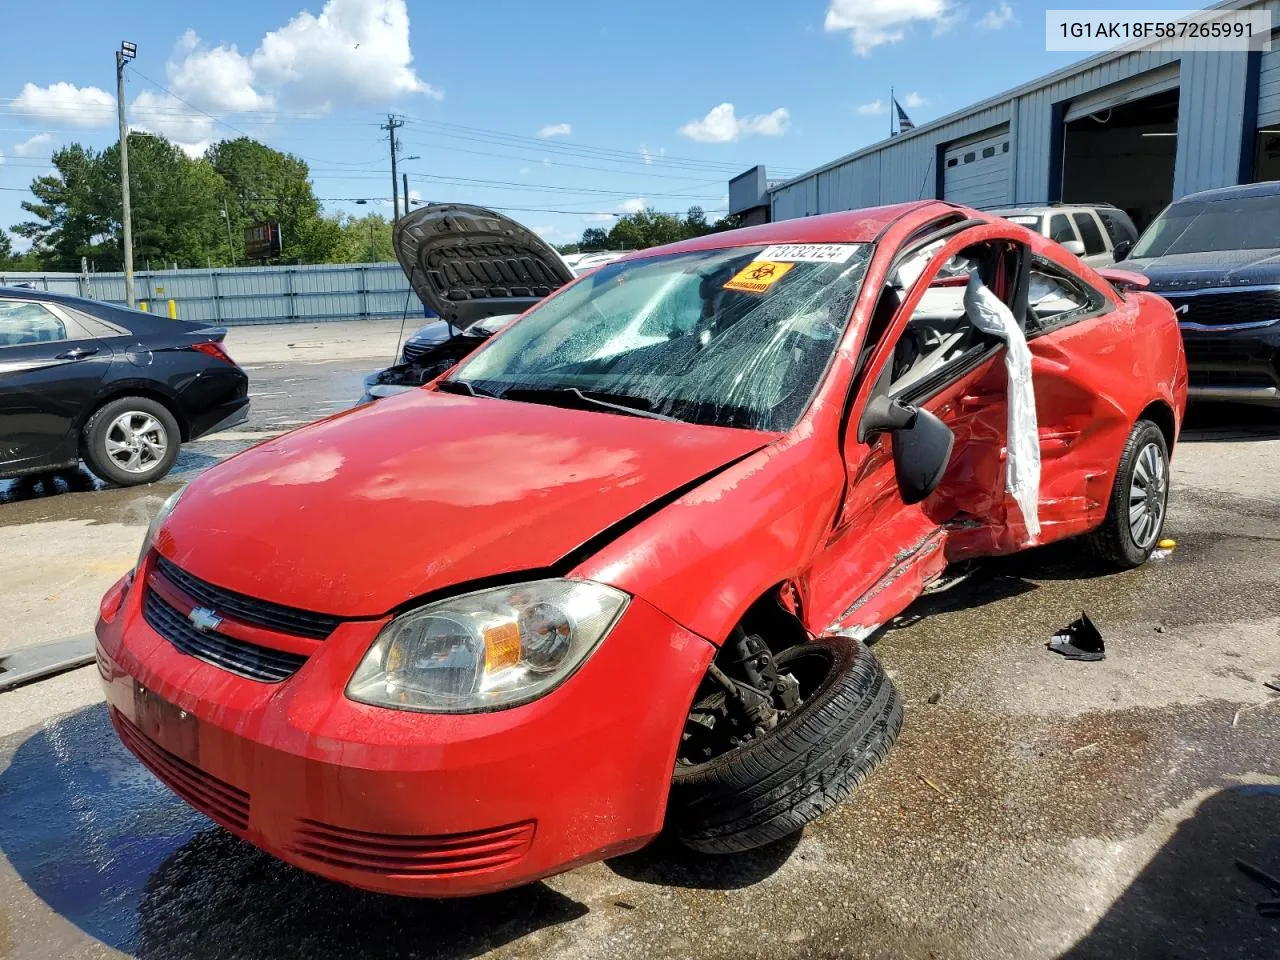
1211, 113
248, 295
1269, 90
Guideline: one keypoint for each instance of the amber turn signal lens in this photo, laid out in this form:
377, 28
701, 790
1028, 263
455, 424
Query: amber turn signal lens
501, 647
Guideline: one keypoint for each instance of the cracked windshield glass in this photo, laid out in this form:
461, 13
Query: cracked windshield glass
724, 337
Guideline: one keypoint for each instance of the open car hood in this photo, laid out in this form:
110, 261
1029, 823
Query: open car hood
467, 263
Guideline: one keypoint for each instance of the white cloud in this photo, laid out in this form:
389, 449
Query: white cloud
555, 130
634, 205
169, 117
219, 78
67, 103
873, 23
650, 155
723, 125
913, 100
32, 145
873, 108
997, 18
355, 51
415, 199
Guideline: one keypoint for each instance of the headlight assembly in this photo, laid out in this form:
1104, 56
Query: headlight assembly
149, 538
486, 650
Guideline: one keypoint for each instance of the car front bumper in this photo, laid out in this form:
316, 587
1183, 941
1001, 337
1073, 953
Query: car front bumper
409, 803
1235, 363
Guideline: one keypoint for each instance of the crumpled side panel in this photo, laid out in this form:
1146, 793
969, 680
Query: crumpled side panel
991, 316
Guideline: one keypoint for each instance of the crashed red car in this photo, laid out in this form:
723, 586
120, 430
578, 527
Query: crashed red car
611, 573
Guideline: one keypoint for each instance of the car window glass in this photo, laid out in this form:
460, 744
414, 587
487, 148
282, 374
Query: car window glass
1054, 298
1060, 229
737, 336
939, 331
1090, 234
93, 326
25, 323
1198, 226
1118, 228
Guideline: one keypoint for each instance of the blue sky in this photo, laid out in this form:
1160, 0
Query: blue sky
562, 112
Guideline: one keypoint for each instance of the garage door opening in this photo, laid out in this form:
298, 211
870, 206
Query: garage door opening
1124, 155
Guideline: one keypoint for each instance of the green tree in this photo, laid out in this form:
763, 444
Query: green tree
76, 213
695, 222
594, 238
266, 186
71, 216
364, 239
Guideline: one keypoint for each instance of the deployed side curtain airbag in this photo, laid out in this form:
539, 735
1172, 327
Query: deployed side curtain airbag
992, 317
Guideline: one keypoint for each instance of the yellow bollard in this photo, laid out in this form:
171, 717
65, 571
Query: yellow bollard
173, 309
142, 305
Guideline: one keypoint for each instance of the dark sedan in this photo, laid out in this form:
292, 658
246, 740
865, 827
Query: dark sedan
118, 388
1216, 257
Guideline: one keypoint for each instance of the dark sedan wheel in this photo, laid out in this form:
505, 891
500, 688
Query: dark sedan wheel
131, 440
1139, 500
770, 786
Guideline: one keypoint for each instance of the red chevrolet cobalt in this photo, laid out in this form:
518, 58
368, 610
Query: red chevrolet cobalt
612, 572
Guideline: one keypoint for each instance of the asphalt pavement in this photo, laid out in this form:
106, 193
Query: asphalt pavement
1034, 807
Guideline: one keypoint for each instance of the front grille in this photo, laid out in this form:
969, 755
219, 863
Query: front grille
1216, 309
245, 659
273, 616
412, 351
216, 799
390, 854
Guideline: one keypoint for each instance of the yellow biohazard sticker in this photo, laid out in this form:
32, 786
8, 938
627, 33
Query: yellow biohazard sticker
758, 276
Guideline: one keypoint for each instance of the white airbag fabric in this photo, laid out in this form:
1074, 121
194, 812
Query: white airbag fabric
1022, 479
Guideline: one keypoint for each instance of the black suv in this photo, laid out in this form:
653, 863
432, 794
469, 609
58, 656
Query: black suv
1216, 257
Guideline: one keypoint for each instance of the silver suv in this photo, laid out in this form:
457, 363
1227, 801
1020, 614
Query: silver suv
1099, 234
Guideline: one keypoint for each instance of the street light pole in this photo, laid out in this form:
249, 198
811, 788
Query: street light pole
126, 53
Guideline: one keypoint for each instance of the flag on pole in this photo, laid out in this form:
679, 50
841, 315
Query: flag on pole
904, 122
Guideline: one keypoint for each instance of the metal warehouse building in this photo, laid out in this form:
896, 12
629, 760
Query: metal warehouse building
1132, 127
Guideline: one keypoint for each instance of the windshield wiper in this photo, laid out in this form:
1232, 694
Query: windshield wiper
587, 400
464, 387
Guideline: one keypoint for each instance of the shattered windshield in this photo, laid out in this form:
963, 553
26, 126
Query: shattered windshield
736, 337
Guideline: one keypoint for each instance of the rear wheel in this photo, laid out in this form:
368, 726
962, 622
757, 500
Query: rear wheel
738, 786
1139, 500
131, 440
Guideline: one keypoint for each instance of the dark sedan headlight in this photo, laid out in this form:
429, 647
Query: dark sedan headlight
481, 651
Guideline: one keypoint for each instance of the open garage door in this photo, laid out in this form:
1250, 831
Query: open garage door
1266, 163
976, 171
1120, 145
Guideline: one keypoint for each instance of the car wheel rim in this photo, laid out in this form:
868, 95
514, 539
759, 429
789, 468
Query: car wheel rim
1148, 492
136, 441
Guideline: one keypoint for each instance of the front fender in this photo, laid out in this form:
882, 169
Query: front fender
704, 559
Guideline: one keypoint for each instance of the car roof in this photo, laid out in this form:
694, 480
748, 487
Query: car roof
1268, 188
846, 226
136, 321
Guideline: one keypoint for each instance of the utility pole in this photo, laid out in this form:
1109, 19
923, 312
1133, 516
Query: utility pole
406, 193
393, 124
126, 53
231, 250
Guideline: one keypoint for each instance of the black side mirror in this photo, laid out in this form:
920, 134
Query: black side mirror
921, 444
1122, 249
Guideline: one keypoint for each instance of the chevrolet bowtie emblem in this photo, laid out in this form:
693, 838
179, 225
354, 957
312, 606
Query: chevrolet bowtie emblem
204, 619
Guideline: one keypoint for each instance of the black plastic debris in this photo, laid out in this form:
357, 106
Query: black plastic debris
1079, 640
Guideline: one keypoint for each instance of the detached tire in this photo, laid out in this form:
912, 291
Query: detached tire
773, 785
1139, 501
131, 441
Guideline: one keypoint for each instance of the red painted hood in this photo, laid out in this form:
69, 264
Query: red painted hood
366, 510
